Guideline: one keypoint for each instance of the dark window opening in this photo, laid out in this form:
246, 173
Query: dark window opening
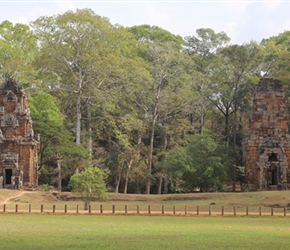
8, 175
272, 178
273, 157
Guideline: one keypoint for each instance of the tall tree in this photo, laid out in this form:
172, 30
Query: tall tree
202, 49
237, 72
81, 49
59, 156
18, 49
169, 81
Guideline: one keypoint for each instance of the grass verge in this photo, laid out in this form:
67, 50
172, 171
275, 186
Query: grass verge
32, 231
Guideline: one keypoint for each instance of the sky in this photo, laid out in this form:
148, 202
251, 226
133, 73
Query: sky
241, 20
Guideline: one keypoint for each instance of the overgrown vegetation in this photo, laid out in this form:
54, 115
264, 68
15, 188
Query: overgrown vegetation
157, 113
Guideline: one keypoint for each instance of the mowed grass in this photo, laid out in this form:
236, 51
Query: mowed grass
47, 231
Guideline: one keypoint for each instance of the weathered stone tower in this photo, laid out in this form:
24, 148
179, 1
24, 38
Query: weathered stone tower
18, 148
267, 149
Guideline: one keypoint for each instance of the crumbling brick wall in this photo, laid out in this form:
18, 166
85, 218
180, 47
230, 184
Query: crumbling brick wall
267, 148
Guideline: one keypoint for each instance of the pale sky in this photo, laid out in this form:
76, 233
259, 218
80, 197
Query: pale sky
241, 20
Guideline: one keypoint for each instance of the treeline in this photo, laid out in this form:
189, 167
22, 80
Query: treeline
156, 112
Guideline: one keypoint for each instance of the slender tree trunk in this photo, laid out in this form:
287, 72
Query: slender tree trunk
154, 118
139, 140
202, 111
166, 183
90, 138
59, 178
235, 150
119, 174
227, 126
118, 180
160, 184
79, 117
127, 176
148, 181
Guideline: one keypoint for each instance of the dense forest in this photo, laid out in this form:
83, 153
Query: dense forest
156, 112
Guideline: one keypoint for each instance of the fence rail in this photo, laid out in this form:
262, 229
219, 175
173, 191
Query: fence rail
186, 212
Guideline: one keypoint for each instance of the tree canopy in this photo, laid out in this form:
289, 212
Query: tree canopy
155, 112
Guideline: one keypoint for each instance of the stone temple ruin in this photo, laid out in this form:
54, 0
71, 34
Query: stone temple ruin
18, 147
267, 149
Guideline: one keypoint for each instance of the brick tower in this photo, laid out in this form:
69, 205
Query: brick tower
18, 147
267, 149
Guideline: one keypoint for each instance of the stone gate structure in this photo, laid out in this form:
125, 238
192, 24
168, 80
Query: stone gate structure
18, 147
267, 149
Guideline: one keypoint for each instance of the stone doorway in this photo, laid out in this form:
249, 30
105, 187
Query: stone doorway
272, 175
8, 176
273, 170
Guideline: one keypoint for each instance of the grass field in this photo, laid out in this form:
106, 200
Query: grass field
35, 231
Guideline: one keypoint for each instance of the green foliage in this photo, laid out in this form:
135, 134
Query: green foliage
197, 164
154, 34
56, 143
276, 59
89, 183
17, 52
130, 97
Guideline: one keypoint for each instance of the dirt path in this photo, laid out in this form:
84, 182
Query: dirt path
14, 196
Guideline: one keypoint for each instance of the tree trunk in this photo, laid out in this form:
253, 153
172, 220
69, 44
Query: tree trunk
154, 118
118, 179
235, 150
58, 162
148, 181
166, 184
202, 111
127, 176
139, 140
160, 184
90, 138
86, 204
79, 117
227, 126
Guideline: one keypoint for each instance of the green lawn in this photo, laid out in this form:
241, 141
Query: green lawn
36, 231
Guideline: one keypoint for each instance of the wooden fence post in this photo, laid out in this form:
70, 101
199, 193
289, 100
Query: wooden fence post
101, 208
16, 208
113, 209
162, 209
41, 208
209, 210
65, 208
29, 208
284, 211
260, 211
90, 209
247, 210
126, 209
272, 211
53, 208
222, 210
185, 210
149, 209
138, 211
77, 209
174, 209
235, 211
197, 210
4, 208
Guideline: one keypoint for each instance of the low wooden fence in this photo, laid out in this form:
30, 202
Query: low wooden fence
186, 212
